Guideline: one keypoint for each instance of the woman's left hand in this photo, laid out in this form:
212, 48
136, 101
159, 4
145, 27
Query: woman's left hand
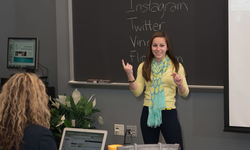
177, 79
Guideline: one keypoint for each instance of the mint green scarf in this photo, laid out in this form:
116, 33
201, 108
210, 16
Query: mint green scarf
157, 95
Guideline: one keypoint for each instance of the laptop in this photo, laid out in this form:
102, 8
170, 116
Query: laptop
83, 139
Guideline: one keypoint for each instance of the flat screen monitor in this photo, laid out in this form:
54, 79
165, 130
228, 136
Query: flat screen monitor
22, 53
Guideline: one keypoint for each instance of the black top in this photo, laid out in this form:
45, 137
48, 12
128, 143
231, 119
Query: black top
37, 137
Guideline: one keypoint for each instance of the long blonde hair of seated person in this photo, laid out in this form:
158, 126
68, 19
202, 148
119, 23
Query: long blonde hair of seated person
23, 101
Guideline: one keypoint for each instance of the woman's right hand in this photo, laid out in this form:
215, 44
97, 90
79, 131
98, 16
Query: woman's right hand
128, 68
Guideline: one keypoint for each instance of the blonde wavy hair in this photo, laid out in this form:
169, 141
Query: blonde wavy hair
23, 101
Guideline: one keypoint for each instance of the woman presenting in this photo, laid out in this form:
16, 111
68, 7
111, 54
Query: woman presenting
160, 73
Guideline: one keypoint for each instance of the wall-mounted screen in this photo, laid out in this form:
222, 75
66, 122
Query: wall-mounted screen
22, 53
237, 101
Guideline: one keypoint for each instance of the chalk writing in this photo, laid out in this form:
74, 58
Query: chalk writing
134, 55
138, 42
179, 59
146, 25
157, 7
141, 25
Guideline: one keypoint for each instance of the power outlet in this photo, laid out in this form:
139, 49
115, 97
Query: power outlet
119, 129
132, 129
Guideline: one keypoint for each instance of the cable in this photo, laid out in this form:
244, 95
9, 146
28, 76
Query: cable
47, 72
41, 70
115, 135
131, 138
125, 137
45, 68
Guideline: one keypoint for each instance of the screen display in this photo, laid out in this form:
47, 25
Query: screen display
22, 53
82, 141
238, 64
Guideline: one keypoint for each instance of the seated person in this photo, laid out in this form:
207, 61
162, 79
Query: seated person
24, 115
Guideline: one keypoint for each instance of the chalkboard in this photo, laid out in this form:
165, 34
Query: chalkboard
105, 32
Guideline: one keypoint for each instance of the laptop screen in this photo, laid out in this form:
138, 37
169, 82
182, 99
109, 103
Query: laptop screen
83, 139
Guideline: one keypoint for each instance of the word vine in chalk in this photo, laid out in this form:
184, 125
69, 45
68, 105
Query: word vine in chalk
138, 42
